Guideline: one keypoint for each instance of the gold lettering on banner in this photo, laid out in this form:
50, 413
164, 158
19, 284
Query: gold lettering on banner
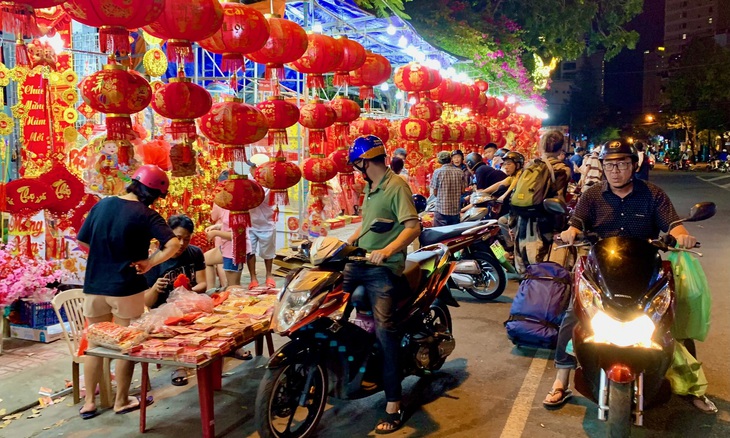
26, 197
32, 89
62, 189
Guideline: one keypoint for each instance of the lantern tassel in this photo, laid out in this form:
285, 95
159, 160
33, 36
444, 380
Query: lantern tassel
341, 132
317, 138
180, 50
366, 92
113, 39
315, 80
232, 62
118, 126
19, 19
21, 53
276, 214
181, 129
274, 71
318, 189
279, 197
341, 79
240, 221
278, 137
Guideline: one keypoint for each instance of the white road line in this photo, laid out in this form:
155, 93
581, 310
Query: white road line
714, 178
711, 181
523, 402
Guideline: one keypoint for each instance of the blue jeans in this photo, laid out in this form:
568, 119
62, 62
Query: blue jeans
565, 334
439, 220
381, 291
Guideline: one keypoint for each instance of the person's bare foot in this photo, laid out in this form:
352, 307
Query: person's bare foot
704, 404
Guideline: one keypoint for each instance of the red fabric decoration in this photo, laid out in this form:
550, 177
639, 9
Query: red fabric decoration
185, 21
318, 170
27, 196
287, 42
239, 194
375, 70
156, 152
323, 55
234, 124
361, 127
19, 20
113, 18
353, 57
183, 102
182, 280
278, 175
244, 30
67, 190
280, 114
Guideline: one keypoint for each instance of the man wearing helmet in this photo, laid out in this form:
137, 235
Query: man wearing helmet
484, 175
386, 196
447, 185
622, 205
117, 234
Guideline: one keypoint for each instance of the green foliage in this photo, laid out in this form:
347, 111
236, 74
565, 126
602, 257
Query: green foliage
384, 8
606, 134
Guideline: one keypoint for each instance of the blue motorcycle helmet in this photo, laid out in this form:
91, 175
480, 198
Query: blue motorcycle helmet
366, 147
420, 202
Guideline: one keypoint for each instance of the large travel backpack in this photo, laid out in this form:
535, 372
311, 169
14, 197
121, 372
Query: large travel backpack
539, 306
533, 187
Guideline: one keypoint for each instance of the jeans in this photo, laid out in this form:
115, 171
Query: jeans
565, 334
509, 242
439, 220
379, 283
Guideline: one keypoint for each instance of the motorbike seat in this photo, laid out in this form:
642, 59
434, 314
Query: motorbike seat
433, 235
419, 265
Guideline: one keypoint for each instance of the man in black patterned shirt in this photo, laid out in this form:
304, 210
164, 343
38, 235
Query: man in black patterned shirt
621, 205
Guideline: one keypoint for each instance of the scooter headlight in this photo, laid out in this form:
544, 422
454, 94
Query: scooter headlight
588, 297
660, 304
607, 330
294, 306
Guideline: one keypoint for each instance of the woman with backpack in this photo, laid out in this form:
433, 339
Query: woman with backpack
542, 178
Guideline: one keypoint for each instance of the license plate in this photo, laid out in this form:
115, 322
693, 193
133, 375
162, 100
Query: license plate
498, 250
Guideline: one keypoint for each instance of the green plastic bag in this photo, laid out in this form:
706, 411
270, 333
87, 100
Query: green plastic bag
693, 300
686, 375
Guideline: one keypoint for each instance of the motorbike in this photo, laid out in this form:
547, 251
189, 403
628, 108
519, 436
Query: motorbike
718, 166
624, 301
483, 206
330, 355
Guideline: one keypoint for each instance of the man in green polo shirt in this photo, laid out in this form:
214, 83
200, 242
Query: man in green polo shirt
387, 196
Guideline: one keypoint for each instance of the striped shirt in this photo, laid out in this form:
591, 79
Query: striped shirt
448, 183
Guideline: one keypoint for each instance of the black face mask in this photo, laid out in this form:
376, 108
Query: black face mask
364, 172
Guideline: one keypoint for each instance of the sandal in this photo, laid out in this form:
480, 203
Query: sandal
392, 423
704, 404
253, 285
271, 283
179, 377
88, 414
565, 394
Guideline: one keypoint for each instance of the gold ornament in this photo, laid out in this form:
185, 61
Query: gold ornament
150, 40
6, 124
70, 116
70, 134
70, 96
155, 62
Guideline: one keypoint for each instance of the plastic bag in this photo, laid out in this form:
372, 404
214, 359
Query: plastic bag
692, 310
154, 320
188, 301
686, 375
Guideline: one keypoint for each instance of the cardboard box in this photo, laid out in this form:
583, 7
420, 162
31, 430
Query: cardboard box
43, 334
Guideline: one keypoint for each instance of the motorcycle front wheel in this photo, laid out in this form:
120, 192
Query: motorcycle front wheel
291, 400
619, 409
490, 283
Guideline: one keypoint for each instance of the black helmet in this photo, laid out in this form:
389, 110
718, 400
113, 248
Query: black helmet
419, 201
618, 148
457, 152
516, 157
473, 159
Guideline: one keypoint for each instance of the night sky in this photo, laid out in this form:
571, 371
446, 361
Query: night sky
623, 77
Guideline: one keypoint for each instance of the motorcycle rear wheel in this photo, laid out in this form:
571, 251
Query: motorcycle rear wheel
619, 409
491, 281
277, 401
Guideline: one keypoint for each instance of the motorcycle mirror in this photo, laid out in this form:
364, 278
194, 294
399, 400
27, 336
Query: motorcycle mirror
554, 205
701, 211
381, 225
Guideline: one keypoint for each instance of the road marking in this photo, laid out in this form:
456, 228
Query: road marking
717, 178
523, 402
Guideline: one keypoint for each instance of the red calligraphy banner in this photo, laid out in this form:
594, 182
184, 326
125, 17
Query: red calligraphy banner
36, 130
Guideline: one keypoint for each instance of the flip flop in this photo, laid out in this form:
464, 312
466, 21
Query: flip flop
179, 377
242, 354
271, 283
565, 394
129, 409
704, 404
254, 284
395, 420
88, 415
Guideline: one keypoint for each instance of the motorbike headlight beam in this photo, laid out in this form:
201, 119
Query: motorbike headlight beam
588, 297
637, 332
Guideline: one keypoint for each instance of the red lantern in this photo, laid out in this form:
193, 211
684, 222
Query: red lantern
287, 42
362, 127
316, 116
415, 78
347, 111
182, 101
323, 55
446, 91
280, 115
414, 129
457, 133
318, 170
278, 175
234, 124
48, 18
482, 85
353, 57
244, 30
113, 18
427, 110
440, 133
375, 70
185, 21
239, 194
118, 93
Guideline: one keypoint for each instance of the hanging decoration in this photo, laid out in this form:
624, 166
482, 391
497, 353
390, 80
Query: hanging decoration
281, 115
482, 85
183, 22
363, 127
375, 70
233, 124
353, 57
19, 20
113, 18
412, 131
239, 194
318, 169
347, 111
182, 101
323, 55
446, 92
316, 116
287, 42
244, 30
416, 78
440, 134
427, 110
49, 18
278, 175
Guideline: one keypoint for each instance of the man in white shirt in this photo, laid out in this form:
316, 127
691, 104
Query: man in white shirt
262, 235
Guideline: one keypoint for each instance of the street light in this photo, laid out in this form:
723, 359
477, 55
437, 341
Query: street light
649, 118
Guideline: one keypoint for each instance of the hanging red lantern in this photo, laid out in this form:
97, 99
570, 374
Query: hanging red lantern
316, 116
415, 78
244, 30
347, 111
278, 175
440, 134
182, 101
113, 18
353, 57
19, 20
457, 133
427, 110
446, 91
239, 194
323, 55
234, 124
482, 85
375, 70
413, 131
183, 22
494, 134
280, 115
287, 42
318, 170
118, 93
363, 127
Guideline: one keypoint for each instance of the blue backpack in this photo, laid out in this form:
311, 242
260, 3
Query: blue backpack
539, 306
